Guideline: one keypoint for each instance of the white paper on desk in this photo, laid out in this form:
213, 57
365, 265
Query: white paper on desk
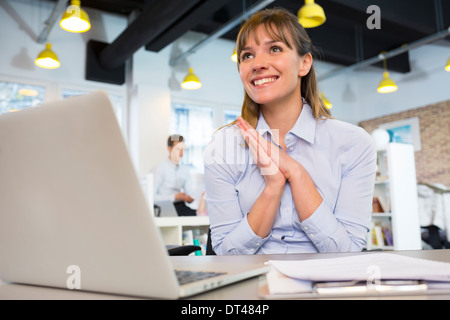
278, 283
363, 267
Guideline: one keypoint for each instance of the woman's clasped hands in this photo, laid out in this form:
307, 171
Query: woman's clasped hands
275, 165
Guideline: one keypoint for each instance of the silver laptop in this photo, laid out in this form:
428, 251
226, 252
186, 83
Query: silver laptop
72, 211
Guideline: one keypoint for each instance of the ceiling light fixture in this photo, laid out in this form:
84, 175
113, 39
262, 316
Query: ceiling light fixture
234, 55
311, 15
47, 59
28, 92
75, 19
386, 85
325, 101
191, 81
221, 31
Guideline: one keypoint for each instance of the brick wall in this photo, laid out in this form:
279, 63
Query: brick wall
433, 160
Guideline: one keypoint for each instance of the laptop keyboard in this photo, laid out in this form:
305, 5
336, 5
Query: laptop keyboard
185, 277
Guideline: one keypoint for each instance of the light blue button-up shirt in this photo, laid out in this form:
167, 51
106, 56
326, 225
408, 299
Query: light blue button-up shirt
339, 157
170, 179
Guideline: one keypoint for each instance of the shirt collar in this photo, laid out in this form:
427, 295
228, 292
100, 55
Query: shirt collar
171, 163
264, 130
262, 127
304, 127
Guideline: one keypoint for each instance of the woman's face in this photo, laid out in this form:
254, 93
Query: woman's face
270, 71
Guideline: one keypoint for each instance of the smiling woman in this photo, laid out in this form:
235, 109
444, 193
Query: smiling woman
277, 35
285, 177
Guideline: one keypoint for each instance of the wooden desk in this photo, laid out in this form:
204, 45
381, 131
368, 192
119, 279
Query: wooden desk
247, 289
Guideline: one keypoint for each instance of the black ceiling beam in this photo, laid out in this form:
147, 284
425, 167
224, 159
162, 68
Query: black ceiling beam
155, 18
341, 47
334, 56
187, 22
446, 13
95, 72
398, 63
331, 41
337, 38
124, 7
342, 13
418, 15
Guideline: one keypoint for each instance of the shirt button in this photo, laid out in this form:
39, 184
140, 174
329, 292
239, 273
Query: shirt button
305, 228
291, 148
311, 235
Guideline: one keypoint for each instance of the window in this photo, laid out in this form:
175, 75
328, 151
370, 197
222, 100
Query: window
117, 102
231, 115
17, 96
195, 124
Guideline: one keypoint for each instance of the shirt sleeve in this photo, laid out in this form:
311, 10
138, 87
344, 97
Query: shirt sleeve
344, 227
230, 231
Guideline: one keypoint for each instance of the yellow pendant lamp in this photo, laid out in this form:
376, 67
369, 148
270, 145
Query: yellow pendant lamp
191, 81
47, 58
75, 19
386, 84
311, 15
28, 92
234, 55
325, 101
447, 67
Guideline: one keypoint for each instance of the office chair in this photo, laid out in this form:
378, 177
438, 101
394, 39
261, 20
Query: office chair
188, 249
175, 250
209, 249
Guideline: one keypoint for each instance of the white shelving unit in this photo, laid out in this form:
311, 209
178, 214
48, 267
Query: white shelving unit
396, 190
172, 228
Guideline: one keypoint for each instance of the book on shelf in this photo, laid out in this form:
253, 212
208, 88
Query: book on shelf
381, 235
387, 232
376, 205
382, 179
379, 238
381, 199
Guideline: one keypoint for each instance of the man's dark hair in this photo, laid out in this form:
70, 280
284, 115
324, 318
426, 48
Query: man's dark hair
174, 138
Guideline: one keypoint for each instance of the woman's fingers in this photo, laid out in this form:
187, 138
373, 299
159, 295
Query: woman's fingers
258, 148
268, 154
249, 130
269, 148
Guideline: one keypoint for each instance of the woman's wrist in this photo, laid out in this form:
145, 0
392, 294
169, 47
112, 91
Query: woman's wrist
297, 173
306, 197
273, 191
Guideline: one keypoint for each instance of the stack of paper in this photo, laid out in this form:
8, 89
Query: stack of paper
370, 270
